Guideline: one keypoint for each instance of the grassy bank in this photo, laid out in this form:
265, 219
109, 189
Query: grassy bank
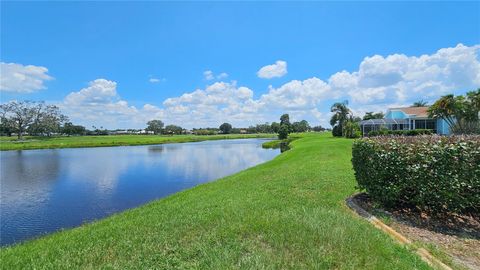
286, 213
10, 143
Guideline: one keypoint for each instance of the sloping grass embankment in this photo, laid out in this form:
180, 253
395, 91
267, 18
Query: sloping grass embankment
288, 213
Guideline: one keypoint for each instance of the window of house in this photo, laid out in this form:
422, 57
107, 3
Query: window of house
420, 124
431, 124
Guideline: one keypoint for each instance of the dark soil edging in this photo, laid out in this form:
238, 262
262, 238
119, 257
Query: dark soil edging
423, 253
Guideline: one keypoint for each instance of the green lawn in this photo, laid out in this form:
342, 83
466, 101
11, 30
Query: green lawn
11, 143
288, 213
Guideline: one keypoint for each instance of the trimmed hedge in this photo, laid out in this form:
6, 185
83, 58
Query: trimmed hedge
432, 173
413, 132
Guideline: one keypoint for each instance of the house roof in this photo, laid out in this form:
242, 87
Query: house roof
417, 111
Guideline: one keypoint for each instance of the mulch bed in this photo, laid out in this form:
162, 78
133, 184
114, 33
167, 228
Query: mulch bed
456, 235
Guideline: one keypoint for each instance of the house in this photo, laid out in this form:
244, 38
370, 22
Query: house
406, 118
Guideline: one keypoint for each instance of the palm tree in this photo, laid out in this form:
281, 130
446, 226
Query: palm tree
372, 115
420, 103
340, 115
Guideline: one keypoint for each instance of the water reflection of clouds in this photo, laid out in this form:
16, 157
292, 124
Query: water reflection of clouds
211, 161
27, 177
101, 167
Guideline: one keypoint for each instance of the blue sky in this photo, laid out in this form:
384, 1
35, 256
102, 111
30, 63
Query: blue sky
119, 64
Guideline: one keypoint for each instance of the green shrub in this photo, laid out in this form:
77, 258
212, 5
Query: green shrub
351, 130
433, 173
413, 132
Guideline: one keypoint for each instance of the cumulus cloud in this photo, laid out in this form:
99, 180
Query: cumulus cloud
222, 75
297, 94
22, 79
279, 69
209, 75
220, 101
379, 82
99, 104
401, 78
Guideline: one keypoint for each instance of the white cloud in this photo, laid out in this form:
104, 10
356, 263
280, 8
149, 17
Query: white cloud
401, 78
222, 75
220, 101
209, 75
22, 79
380, 82
297, 94
278, 69
99, 104
156, 80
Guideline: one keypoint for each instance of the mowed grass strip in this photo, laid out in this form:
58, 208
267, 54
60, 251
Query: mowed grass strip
10, 143
288, 213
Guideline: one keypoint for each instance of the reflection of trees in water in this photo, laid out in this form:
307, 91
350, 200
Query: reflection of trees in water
284, 147
156, 148
164, 148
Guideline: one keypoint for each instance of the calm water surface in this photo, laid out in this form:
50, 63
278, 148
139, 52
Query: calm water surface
46, 190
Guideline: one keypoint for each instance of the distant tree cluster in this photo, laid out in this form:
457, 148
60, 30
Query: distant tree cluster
71, 129
205, 131
173, 130
33, 118
225, 128
156, 126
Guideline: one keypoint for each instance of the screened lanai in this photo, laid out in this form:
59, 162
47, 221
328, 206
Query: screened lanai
377, 124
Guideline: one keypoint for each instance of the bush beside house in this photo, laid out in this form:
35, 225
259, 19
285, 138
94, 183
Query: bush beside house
432, 173
412, 132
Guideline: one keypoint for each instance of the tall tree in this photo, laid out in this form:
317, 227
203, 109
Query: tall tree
461, 113
420, 103
19, 115
7, 126
225, 128
155, 125
48, 120
340, 115
285, 124
285, 119
283, 132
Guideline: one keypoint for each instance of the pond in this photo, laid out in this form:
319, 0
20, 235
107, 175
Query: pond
43, 191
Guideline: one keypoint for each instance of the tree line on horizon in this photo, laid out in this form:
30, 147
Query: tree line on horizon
36, 118
158, 127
